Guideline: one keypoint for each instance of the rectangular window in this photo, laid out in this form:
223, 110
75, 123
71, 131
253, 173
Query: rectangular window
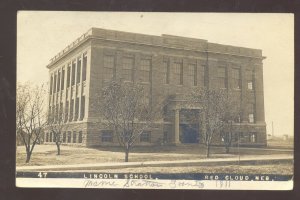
76, 109
71, 110
82, 107
66, 111
73, 73
84, 63
69, 137
57, 112
109, 67
61, 112
166, 71
202, 77
127, 72
64, 137
145, 136
192, 74
78, 70
58, 81
251, 113
63, 79
51, 83
54, 86
68, 76
50, 140
236, 76
166, 137
250, 79
47, 137
74, 136
106, 136
221, 77
80, 137
253, 137
145, 70
179, 73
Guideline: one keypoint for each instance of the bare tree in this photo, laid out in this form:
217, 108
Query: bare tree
232, 114
213, 111
30, 115
127, 112
56, 124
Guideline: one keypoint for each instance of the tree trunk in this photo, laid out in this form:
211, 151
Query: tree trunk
207, 150
28, 156
126, 154
58, 148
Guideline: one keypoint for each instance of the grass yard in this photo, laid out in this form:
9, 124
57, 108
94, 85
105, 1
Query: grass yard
46, 154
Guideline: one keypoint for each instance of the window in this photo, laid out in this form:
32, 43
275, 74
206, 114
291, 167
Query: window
54, 137
203, 75
47, 137
66, 111
166, 137
250, 78
54, 86
84, 63
63, 79
236, 76
109, 67
253, 137
178, 73
57, 112
145, 70
50, 140
251, 113
166, 72
76, 109
145, 136
106, 136
51, 82
80, 137
64, 137
61, 112
73, 72
71, 110
74, 136
78, 70
82, 107
69, 137
221, 77
58, 82
192, 74
68, 76
128, 69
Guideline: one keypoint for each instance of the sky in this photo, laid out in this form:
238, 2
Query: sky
43, 34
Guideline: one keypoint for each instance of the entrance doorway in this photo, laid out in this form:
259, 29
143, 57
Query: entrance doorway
189, 133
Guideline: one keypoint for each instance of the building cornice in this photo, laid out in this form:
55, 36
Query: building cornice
90, 35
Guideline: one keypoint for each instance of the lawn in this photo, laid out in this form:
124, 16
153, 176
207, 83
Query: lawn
46, 154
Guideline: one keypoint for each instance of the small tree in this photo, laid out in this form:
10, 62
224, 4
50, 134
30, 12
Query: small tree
232, 113
126, 110
56, 124
213, 109
30, 115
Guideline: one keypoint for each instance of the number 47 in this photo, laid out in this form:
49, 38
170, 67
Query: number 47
42, 174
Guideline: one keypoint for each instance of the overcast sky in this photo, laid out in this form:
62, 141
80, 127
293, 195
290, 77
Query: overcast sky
41, 35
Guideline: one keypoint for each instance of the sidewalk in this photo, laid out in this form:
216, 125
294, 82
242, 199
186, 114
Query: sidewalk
254, 159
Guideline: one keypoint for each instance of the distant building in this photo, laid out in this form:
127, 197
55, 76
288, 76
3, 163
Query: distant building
169, 67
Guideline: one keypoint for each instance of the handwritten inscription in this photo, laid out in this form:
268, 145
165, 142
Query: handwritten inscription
144, 183
101, 183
